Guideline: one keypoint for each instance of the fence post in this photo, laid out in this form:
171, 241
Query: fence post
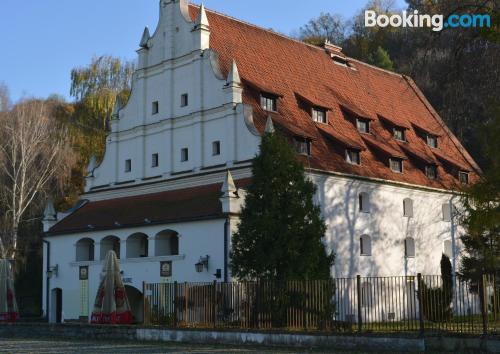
483, 303
420, 303
358, 286
145, 311
214, 303
176, 300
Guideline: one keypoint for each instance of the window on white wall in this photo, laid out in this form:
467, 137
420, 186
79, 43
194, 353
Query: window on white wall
85, 250
184, 154
155, 107
408, 207
409, 247
447, 248
216, 148
167, 243
154, 160
128, 165
110, 243
446, 212
365, 245
366, 294
137, 245
364, 202
184, 100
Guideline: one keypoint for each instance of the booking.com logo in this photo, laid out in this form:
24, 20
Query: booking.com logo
436, 22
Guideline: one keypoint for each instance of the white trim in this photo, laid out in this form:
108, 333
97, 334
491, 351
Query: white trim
133, 260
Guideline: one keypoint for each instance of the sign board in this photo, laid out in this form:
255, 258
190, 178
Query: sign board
83, 275
165, 269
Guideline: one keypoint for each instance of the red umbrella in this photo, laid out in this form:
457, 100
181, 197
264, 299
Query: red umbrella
8, 304
111, 304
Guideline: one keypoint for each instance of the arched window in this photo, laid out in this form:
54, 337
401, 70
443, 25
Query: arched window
85, 250
408, 207
167, 243
110, 243
409, 247
447, 248
364, 202
137, 245
366, 294
365, 245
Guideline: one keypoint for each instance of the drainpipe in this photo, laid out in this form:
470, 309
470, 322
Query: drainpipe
47, 281
226, 248
453, 248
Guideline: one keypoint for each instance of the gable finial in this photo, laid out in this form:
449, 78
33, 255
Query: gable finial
92, 166
145, 38
228, 187
202, 20
269, 125
233, 78
49, 214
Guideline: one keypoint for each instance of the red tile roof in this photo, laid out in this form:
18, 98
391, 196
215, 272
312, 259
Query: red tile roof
273, 63
198, 203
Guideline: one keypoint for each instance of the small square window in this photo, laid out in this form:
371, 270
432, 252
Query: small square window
184, 154
432, 141
128, 165
319, 115
302, 146
184, 100
268, 102
363, 125
463, 177
155, 107
431, 171
154, 160
396, 165
353, 157
399, 134
216, 148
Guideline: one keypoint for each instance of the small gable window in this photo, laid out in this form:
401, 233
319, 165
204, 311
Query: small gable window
364, 202
268, 102
154, 160
155, 108
463, 177
431, 171
365, 245
432, 141
128, 165
446, 212
319, 115
408, 207
396, 165
184, 154
409, 247
353, 157
399, 134
363, 125
184, 100
302, 146
216, 148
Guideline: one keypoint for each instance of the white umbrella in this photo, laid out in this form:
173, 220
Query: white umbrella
111, 304
8, 304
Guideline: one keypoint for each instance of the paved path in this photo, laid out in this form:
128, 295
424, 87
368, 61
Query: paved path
78, 346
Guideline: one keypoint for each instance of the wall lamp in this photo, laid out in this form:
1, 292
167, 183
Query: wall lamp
53, 271
202, 264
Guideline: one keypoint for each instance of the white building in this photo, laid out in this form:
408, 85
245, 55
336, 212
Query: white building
206, 84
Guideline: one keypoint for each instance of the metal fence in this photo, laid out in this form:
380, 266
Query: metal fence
422, 303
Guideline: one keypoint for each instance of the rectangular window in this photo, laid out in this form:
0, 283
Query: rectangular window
431, 171
463, 177
216, 148
268, 102
184, 154
319, 115
154, 160
353, 157
363, 125
399, 134
302, 146
432, 141
128, 165
396, 165
155, 107
184, 100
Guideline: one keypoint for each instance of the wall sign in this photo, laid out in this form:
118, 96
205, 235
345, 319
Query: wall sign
166, 269
83, 275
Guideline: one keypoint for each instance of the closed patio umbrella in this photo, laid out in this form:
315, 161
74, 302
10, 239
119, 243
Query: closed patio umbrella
8, 304
111, 304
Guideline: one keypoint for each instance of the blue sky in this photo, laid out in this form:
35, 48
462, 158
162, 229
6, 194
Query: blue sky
42, 40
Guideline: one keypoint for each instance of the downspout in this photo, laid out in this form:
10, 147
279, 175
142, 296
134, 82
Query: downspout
453, 251
47, 281
226, 248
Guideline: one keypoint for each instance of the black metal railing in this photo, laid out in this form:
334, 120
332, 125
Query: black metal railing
422, 303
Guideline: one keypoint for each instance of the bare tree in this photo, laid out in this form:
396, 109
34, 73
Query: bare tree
4, 97
326, 26
34, 155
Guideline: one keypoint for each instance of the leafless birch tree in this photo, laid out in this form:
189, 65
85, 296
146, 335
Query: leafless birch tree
34, 154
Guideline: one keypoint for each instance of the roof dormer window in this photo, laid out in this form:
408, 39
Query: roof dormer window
399, 133
396, 165
302, 146
318, 115
363, 125
463, 177
432, 141
431, 171
353, 157
268, 102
